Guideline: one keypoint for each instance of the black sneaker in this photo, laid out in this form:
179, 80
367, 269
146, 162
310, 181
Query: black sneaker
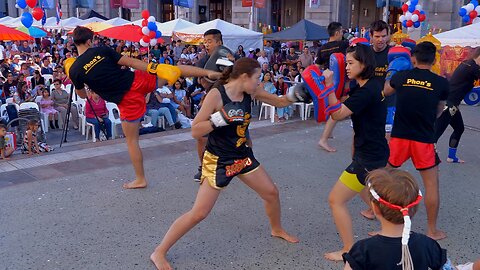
198, 175
178, 125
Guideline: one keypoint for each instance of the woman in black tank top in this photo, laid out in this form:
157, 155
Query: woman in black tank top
224, 117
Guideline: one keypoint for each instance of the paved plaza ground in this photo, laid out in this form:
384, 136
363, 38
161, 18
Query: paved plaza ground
67, 209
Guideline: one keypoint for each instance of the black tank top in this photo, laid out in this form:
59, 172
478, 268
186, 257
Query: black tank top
229, 141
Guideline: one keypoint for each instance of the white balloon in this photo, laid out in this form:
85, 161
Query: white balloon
16, 6
145, 30
411, 29
414, 17
151, 19
418, 7
402, 18
153, 42
408, 15
143, 43
408, 3
476, 20
477, 9
469, 7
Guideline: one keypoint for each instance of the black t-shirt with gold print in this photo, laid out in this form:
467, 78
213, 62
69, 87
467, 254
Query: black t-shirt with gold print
98, 68
230, 141
419, 92
381, 60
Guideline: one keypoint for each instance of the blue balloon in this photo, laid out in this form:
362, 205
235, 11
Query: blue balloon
27, 19
416, 24
462, 12
466, 18
22, 4
422, 12
158, 34
152, 26
475, 3
411, 8
414, 2
404, 23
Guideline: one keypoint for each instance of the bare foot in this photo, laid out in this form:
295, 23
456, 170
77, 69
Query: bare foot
285, 236
160, 261
368, 214
437, 235
335, 256
135, 184
373, 233
451, 160
324, 145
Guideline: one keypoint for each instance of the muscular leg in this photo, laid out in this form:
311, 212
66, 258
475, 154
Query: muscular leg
338, 199
261, 183
432, 201
327, 133
206, 198
130, 129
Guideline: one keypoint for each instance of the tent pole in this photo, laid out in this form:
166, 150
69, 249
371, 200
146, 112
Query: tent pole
252, 10
386, 12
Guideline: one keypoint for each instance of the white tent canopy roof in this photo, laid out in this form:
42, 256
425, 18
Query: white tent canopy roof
167, 28
117, 21
233, 35
464, 36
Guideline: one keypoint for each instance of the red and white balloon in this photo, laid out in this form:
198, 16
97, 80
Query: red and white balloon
151, 35
413, 15
470, 12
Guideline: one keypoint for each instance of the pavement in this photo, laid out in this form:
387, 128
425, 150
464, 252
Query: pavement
66, 209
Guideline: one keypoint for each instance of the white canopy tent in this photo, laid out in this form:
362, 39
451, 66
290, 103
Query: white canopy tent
71, 23
233, 35
117, 21
5, 19
167, 28
93, 19
464, 36
50, 23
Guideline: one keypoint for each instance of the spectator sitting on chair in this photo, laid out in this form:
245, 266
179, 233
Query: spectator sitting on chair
180, 100
96, 113
37, 79
46, 67
61, 99
9, 87
46, 107
154, 109
165, 56
268, 83
196, 92
23, 93
167, 96
5, 151
282, 88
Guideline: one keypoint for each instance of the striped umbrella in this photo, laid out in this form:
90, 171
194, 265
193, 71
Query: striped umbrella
7, 33
32, 31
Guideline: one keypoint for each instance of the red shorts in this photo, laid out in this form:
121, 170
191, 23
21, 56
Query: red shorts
423, 155
133, 105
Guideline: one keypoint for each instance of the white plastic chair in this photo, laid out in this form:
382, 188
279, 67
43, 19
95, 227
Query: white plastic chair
308, 109
86, 127
114, 116
268, 108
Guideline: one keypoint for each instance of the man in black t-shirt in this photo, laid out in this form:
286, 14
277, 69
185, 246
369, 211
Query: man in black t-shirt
461, 83
380, 37
335, 44
100, 69
421, 95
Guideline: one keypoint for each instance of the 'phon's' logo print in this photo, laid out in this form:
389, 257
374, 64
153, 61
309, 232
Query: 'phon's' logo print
422, 84
88, 66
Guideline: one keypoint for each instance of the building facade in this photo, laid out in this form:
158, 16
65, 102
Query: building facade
442, 14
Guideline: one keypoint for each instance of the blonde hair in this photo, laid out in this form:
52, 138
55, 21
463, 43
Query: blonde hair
397, 195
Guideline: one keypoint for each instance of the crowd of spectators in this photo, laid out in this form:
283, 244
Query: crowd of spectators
32, 71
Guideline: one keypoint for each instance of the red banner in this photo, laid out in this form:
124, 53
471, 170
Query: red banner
451, 57
130, 3
115, 3
258, 3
